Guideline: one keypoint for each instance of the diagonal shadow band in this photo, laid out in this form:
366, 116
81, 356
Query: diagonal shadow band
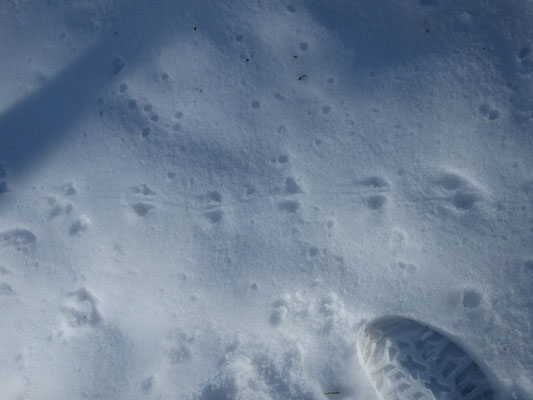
34, 125
38, 123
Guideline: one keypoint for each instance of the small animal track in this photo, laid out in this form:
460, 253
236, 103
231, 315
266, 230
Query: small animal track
375, 202
80, 309
279, 312
117, 65
289, 206
250, 189
374, 186
464, 200
17, 238
214, 196
451, 181
212, 201
408, 360
66, 189
282, 159
526, 51
81, 224
5, 289
214, 216
313, 251
147, 384
152, 120
406, 268
374, 182
291, 187
59, 208
179, 355
143, 189
471, 298
525, 60
488, 112
528, 267
3, 183
141, 209
180, 349
464, 196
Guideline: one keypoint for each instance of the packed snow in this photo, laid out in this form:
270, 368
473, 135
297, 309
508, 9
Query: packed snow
209, 200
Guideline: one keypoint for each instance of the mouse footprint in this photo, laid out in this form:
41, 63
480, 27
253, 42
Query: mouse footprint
407, 360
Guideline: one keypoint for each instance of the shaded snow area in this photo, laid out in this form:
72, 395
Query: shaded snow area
266, 199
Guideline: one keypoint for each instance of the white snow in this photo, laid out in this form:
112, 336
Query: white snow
210, 199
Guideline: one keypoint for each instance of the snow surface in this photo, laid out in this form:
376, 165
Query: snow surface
210, 199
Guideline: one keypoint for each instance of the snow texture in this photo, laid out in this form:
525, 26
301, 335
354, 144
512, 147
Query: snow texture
216, 200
